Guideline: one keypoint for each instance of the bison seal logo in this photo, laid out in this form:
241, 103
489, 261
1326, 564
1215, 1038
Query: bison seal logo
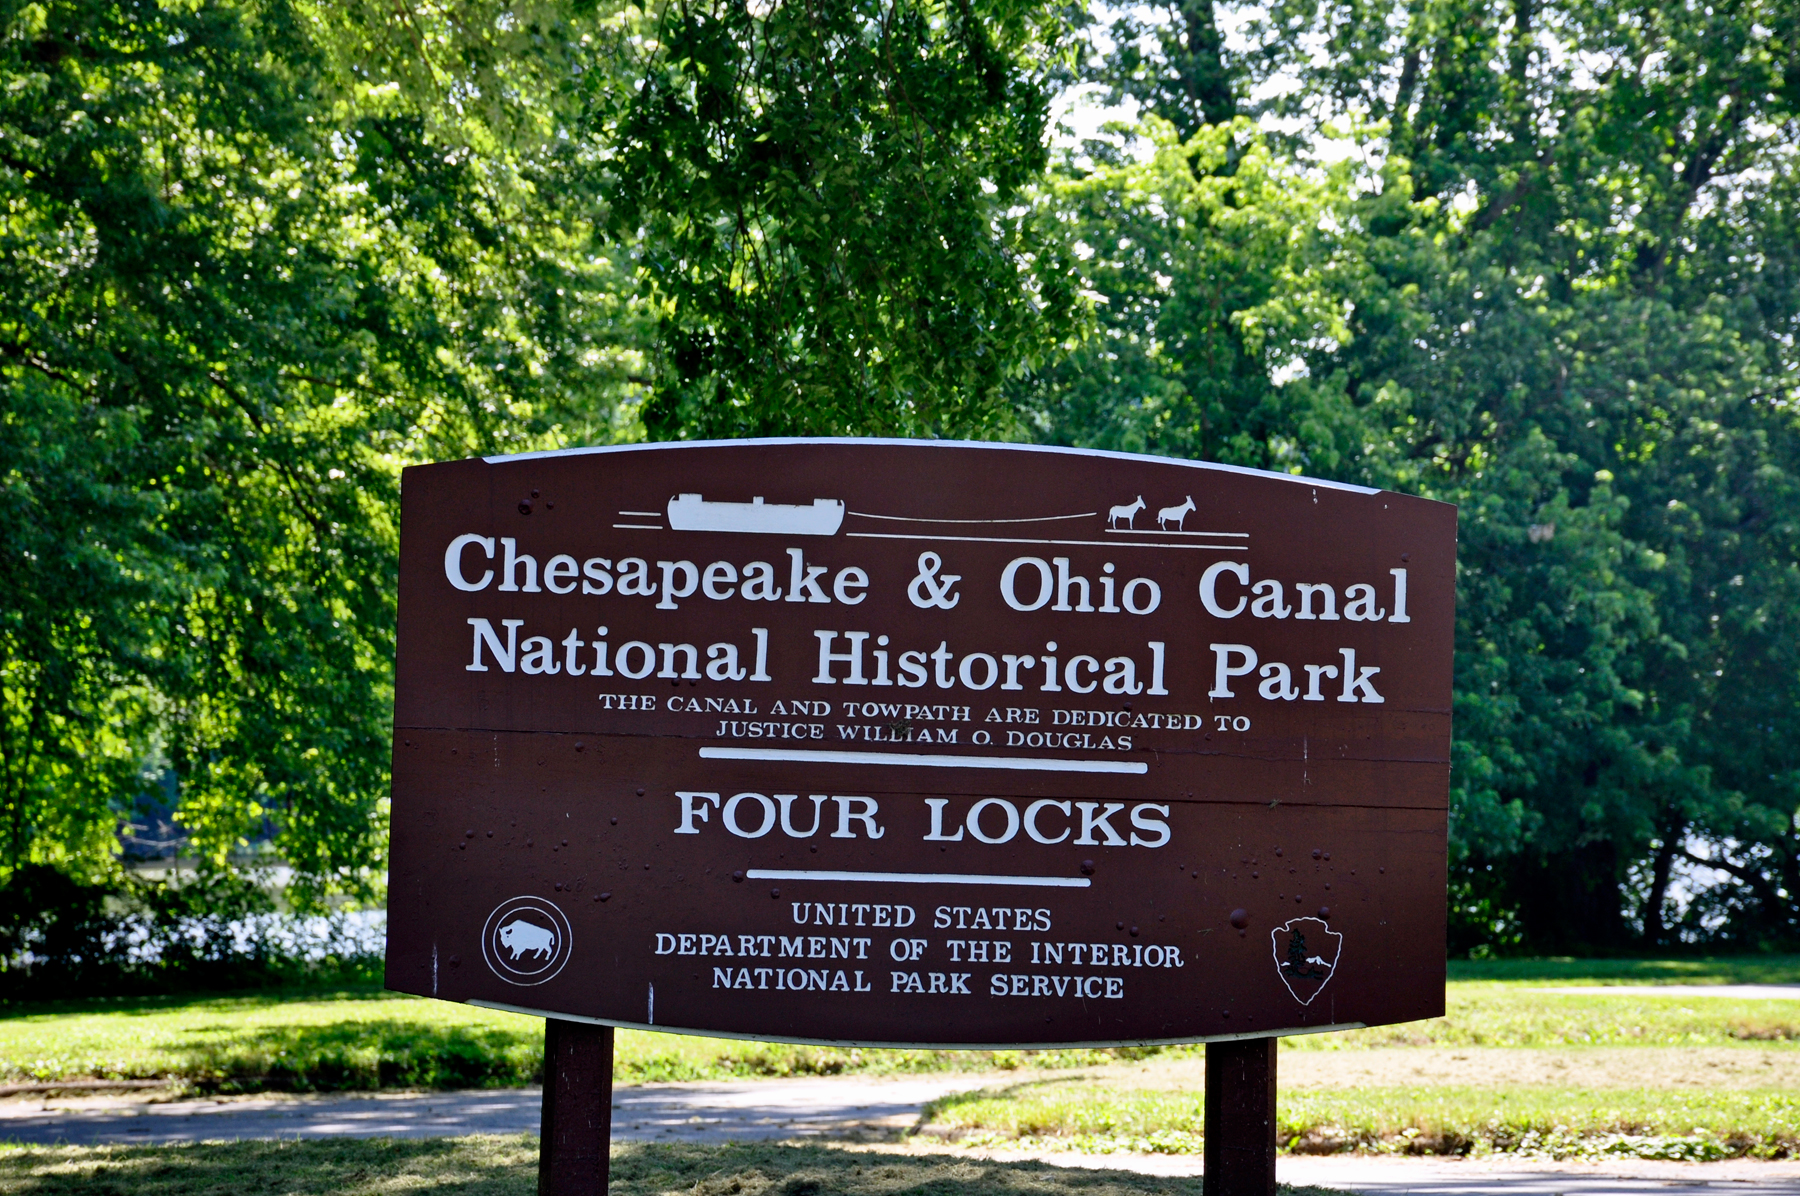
526, 940
1306, 955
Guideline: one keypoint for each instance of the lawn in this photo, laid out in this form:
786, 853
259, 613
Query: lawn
1515, 1014
1730, 969
1536, 1121
507, 1166
362, 1039
369, 1039
1510, 1068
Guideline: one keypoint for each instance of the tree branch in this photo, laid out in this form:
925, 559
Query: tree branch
1759, 884
321, 527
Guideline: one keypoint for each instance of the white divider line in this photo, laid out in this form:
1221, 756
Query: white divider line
923, 760
921, 878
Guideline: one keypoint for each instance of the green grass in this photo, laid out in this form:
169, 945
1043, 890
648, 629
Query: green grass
1493, 1013
1532, 1121
365, 1038
316, 1041
1731, 969
507, 1166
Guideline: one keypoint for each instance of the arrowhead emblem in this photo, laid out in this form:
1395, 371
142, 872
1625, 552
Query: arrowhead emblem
1306, 955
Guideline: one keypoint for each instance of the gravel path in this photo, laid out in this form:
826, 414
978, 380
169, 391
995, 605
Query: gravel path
752, 1110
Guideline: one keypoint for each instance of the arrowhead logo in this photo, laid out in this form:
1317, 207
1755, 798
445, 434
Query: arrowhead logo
1306, 955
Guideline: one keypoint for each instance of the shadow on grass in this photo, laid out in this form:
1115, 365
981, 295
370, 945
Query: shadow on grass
462, 1166
507, 1166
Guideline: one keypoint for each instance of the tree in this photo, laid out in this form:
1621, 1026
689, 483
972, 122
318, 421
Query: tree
1565, 295
246, 279
828, 199
1204, 282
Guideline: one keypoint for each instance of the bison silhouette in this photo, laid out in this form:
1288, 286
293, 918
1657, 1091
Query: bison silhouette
523, 938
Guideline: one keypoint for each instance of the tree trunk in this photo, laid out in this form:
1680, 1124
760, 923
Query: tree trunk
1654, 930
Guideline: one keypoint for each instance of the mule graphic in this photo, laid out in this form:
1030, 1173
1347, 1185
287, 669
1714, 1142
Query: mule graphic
1176, 515
523, 938
1126, 511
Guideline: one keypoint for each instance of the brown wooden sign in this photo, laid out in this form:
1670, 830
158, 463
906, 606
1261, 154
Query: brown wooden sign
912, 743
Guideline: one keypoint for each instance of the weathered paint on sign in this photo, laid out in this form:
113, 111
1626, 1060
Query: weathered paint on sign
920, 743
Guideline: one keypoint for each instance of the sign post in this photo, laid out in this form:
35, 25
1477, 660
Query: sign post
920, 744
1240, 1117
576, 1134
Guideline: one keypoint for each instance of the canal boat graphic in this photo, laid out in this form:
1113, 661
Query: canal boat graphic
691, 513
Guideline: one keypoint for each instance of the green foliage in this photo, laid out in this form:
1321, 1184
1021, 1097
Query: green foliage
261, 254
1538, 259
829, 199
1202, 280
59, 937
244, 282
1553, 281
